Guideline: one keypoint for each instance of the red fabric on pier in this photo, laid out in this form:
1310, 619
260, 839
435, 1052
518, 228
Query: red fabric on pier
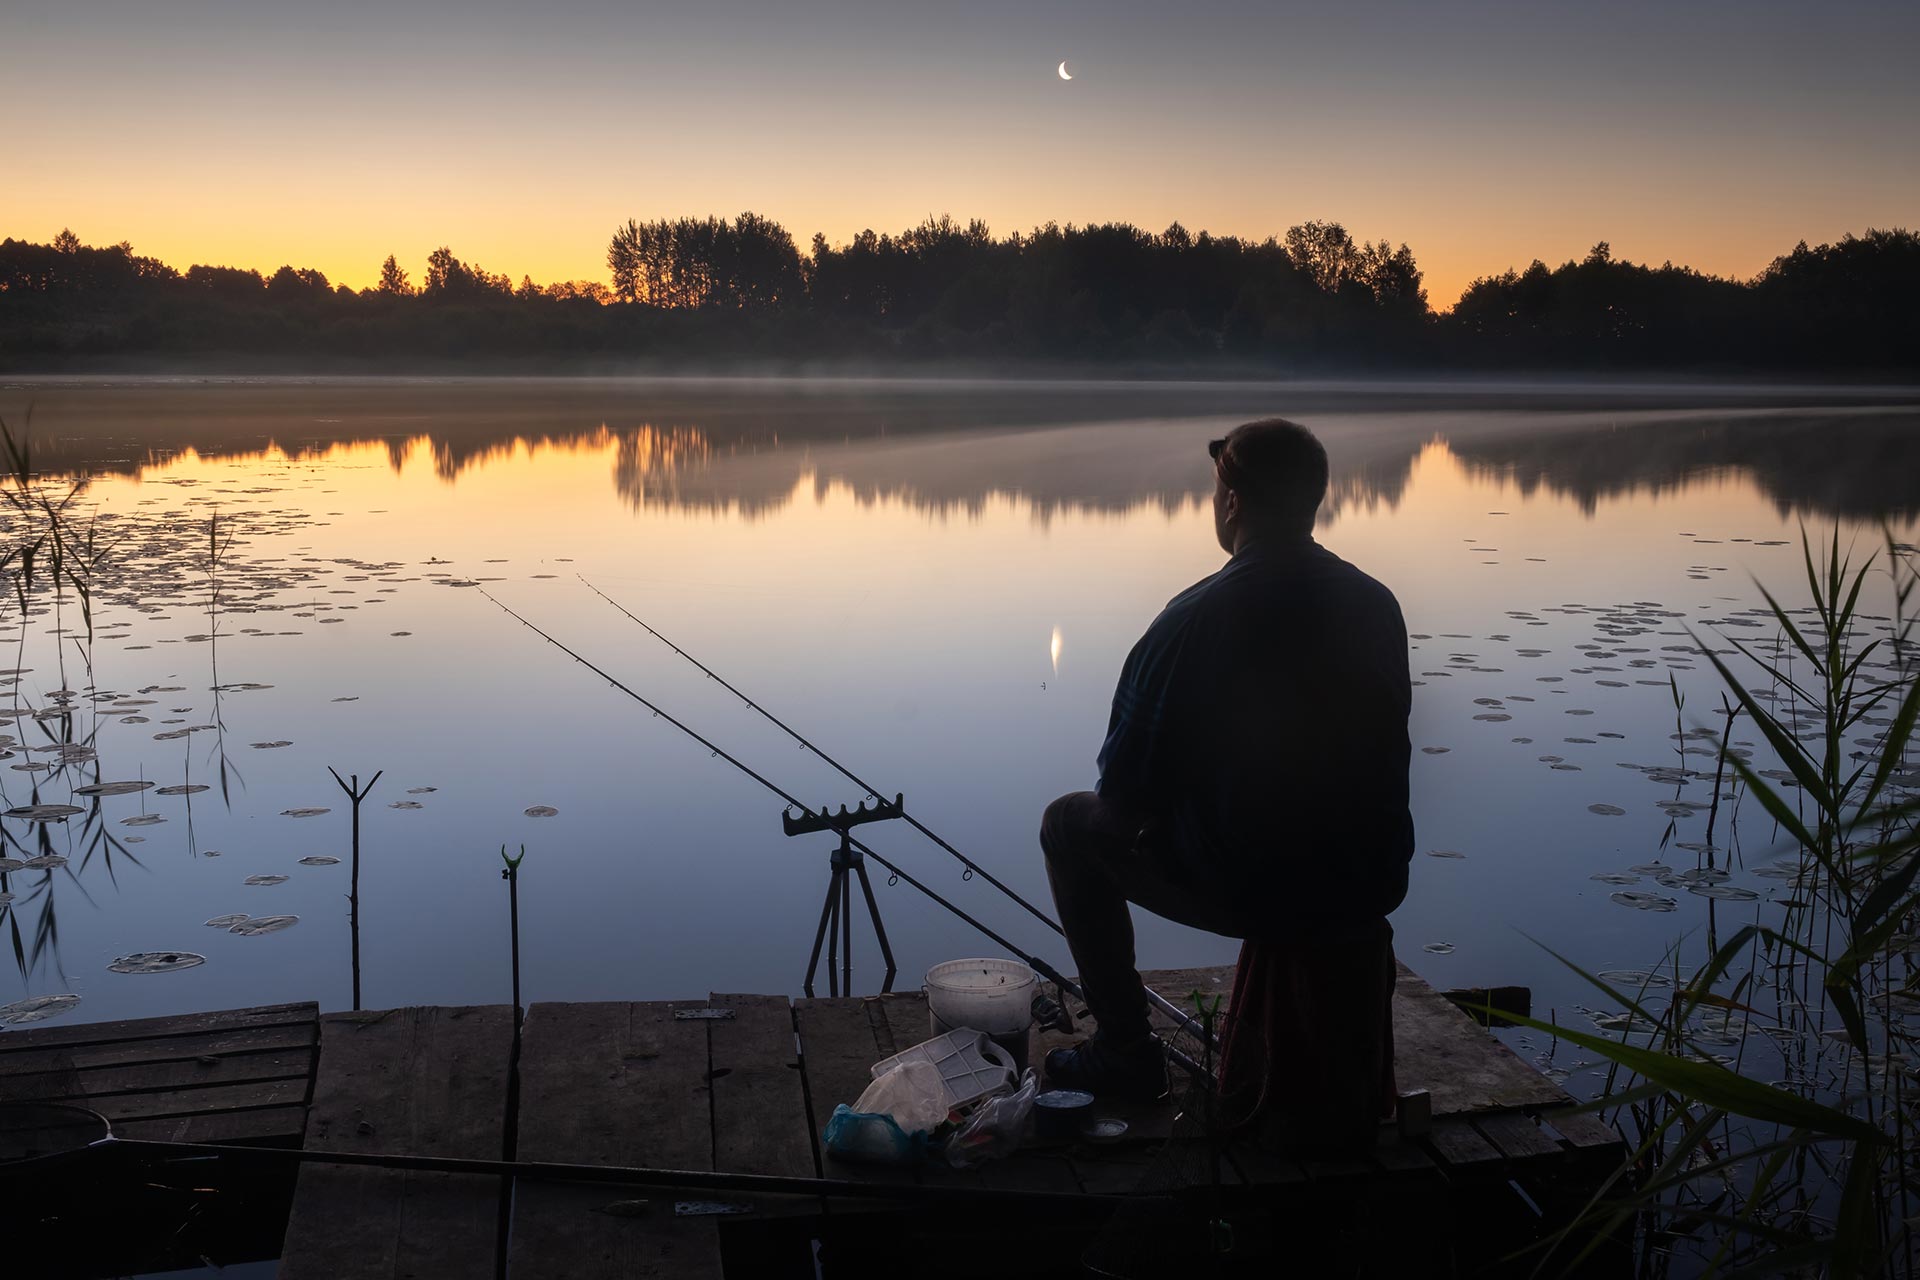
1307, 1054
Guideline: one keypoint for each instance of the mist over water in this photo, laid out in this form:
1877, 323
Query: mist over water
935, 582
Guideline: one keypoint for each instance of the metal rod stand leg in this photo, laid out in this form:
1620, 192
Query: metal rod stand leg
820, 936
879, 929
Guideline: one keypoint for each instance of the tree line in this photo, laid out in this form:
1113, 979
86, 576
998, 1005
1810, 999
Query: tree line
717, 289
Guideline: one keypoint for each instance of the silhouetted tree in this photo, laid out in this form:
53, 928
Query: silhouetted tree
393, 280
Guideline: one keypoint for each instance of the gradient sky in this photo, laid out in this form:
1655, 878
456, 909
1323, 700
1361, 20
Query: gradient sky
262, 132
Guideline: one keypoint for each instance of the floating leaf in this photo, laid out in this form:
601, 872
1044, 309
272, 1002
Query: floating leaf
1615, 877
268, 746
187, 789
1725, 892
303, 813
228, 921
264, 924
156, 962
45, 862
1438, 948
11, 864
1606, 810
45, 812
265, 880
1643, 901
142, 820
421, 791
406, 804
1635, 978
1445, 853
37, 1008
319, 860
543, 811
111, 788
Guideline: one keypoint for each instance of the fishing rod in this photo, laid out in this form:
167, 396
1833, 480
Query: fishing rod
973, 868
540, 1170
1034, 962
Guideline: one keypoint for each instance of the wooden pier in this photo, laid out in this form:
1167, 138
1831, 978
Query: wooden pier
679, 1085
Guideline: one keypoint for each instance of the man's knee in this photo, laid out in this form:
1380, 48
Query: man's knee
1063, 818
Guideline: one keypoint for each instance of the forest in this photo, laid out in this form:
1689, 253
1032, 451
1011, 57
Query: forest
718, 293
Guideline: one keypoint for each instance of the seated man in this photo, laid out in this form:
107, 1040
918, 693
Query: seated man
1253, 784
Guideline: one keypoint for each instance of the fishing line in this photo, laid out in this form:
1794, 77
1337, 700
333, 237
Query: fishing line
1039, 966
973, 868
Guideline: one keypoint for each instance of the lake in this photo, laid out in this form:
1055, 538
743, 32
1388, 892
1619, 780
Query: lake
936, 582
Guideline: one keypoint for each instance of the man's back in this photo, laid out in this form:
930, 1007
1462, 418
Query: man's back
1268, 746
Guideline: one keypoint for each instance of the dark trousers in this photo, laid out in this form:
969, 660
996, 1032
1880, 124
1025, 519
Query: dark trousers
1096, 866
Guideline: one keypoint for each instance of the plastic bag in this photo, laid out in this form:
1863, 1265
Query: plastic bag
871, 1139
996, 1128
912, 1093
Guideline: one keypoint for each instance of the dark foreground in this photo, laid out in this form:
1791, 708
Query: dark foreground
670, 1086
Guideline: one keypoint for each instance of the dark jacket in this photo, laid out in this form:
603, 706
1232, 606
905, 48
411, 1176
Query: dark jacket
1260, 732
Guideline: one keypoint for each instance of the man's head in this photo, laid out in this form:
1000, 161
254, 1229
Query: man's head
1270, 478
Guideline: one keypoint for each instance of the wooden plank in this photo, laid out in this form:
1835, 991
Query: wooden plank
420, 1081
247, 1095
276, 1126
293, 1036
840, 1040
1440, 1049
156, 1028
759, 1109
157, 1077
1457, 1142
1516, 1135
613, 1084
1583, 1130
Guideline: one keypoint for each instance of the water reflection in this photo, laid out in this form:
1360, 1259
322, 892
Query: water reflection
950, 449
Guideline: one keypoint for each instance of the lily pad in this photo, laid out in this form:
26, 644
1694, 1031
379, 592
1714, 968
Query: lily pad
268, 746
36, 1008
142, 820
303, 813
543, 811
264, 880
1438, 948
1445, 853
156, 962
421, 791
45, 862
1725, 892
111, 788
406, 804
319, 860
1606, 810
1643, 901
187, 789
44, 812
228, 921
11, 864
264, 924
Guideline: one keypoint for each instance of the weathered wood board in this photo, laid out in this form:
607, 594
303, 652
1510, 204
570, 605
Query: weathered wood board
614, 1084
240, 1075
418, 1081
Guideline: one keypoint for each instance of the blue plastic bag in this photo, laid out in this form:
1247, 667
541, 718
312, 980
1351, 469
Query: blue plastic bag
871, 1138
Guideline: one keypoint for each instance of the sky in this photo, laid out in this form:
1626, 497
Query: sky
1483, 135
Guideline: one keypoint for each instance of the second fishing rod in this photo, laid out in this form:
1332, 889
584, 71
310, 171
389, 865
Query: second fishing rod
1180, 1017
1034, 962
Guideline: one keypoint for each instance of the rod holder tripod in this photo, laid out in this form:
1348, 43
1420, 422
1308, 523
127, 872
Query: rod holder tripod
836, 915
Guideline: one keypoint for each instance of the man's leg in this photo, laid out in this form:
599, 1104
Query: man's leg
1095, 869
1083, 841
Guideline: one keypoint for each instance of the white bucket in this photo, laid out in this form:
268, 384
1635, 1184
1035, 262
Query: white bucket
994, 996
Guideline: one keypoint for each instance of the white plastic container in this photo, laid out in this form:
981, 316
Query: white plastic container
970, 1065
994, 996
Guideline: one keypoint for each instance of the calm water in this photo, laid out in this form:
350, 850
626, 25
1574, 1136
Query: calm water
936, 582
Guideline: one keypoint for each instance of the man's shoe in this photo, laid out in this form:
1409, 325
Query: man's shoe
1130, 1073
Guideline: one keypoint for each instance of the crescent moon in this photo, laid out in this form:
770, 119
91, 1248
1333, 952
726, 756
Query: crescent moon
1063, 71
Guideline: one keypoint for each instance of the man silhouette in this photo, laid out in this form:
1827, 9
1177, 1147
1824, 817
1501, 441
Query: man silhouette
1253, 783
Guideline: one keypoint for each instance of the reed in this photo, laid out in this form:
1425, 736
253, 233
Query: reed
1769, 1106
